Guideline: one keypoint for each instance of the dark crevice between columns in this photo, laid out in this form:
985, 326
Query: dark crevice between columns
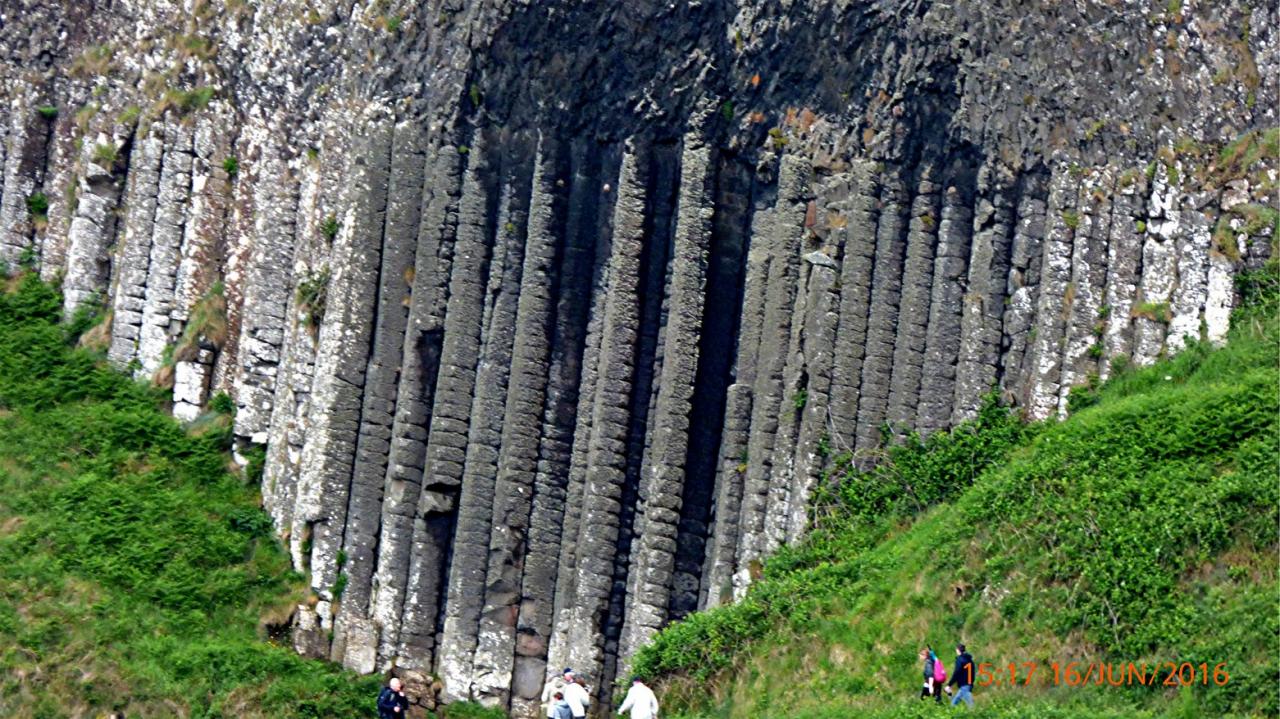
726, 270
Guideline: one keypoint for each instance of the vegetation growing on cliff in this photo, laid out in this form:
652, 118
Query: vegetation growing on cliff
1141, 529
134, 564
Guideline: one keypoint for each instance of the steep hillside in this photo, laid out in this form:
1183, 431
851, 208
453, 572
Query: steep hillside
137, 571
1142, 529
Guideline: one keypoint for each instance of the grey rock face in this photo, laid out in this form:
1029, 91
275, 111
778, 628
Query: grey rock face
551, 323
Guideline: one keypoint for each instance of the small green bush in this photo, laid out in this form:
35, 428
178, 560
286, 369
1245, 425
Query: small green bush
105, 154
38, 206
329, 227
48, 112
313, 294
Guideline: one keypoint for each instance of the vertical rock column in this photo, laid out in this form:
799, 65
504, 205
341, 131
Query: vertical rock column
24, 162
141, 191
446, 444
548, 521
1084, 328
856, 263
663, 474
198, 292
92, 231
495, 661
816, 348
978, 359
784, 242
267, 284
730, 233
913, 310
1054, 303
342, 356
1151, 313
585, 221
1194, 242
173, 198
598, 528
66, 141
882, 320
355, 641
793, 399
290, 413
469, 560
415, 393
721, 559
1023, 287
946, 307
1124, 261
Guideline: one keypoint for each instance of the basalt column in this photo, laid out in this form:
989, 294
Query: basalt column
858, 228
446, 445
342, 362
355, 639
585, 609
886, 288
591, 215
785, 231
663, 473
464, 599
946, 307
495, 664
568, 333
913, 308
708, 420
419, 368
721, 559
990, 254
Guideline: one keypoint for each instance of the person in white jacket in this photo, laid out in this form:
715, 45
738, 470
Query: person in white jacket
576, 694
640, 701
553, 686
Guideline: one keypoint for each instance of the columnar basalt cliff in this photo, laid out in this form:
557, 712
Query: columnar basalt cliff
550, 316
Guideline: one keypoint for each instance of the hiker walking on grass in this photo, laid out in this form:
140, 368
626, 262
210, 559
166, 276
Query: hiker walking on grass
640, 701
934, 675
576, 694
392, 703
962, 677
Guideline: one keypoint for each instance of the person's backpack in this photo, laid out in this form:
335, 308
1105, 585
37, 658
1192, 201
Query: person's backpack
939, 671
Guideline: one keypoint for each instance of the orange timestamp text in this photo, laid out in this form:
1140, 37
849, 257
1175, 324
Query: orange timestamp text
1116, 674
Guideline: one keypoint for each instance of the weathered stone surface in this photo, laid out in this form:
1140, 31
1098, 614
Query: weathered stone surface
946, 307
515, 445
982, 316
663, 472
784, 232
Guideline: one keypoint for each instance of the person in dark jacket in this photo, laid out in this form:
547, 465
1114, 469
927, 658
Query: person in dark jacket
392, 703
962, 677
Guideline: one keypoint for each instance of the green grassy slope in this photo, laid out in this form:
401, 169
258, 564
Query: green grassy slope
1143, 529
138, 573
134, 565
